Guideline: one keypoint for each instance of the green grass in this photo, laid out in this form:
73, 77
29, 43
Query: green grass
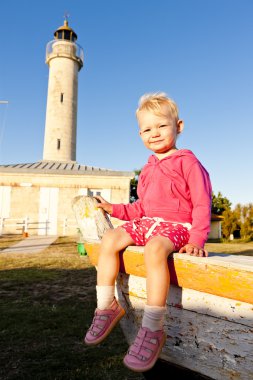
232, 248
8, 240
47, 302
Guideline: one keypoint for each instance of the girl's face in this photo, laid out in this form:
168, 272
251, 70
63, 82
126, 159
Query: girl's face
159, 132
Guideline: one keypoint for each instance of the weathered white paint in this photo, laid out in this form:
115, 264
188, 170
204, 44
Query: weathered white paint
205, 333
92, 221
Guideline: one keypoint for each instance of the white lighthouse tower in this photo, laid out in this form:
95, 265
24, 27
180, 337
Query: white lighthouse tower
65, 59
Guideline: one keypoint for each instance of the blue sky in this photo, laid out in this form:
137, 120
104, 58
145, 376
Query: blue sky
197, 51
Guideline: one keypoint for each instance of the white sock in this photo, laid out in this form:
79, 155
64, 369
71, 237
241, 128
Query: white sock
153, 317
105, 296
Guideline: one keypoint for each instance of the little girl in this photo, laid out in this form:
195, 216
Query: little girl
173, 213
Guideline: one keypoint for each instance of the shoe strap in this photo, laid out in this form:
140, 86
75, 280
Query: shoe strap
98, 323
144, 345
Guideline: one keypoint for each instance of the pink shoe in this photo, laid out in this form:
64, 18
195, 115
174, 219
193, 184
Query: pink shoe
103, 323
145, 350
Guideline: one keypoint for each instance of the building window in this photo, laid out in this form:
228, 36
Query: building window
58, 144
105, 193
93, 192
62, 97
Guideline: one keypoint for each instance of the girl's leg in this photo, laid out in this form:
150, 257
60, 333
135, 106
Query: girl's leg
158, 281
145, 350
156, 253
113, 242
109, 311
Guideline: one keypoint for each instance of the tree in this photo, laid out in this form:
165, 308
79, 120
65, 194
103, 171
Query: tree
220, 204
246, 220
133, 186
229, 223
231, 218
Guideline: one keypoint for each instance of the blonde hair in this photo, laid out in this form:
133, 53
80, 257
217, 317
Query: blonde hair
153, 102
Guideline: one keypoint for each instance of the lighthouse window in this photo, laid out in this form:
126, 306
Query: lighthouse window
59, 35
66, 34
58, 144
62, 97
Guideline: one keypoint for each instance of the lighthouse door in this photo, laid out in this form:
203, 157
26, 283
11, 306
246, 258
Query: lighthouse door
48, 211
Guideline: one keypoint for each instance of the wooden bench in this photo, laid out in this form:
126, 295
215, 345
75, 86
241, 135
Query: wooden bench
209, 319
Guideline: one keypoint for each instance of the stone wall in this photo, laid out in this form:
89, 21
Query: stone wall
46, 196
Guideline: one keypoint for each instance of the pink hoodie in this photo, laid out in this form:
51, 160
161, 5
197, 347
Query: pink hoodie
176, 188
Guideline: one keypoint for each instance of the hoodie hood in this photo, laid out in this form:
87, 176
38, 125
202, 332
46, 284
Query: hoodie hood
175, 166
174, 156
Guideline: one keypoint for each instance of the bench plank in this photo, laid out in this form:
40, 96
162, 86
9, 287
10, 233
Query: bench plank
217, 274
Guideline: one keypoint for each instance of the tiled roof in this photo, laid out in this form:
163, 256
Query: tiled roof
56, 167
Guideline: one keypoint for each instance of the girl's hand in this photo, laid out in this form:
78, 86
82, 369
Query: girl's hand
106, 206
193, 250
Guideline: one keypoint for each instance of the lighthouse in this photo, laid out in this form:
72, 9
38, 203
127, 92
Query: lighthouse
65, 59
40, 193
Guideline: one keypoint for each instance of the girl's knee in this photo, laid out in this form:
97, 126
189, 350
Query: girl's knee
116, 239
158, 249
109, 237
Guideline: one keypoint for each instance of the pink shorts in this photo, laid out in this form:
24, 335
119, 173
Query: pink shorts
143, 229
